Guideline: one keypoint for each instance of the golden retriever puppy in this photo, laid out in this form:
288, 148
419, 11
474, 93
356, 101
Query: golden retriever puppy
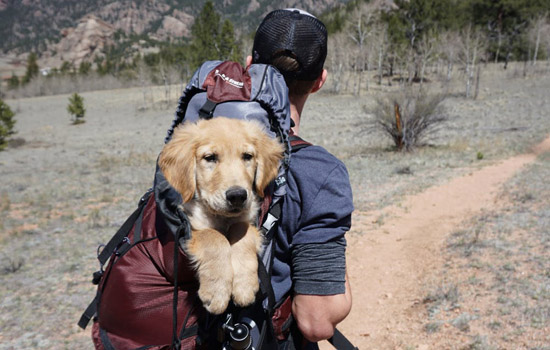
221, 167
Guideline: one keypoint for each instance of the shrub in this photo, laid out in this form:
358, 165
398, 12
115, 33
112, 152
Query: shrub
76, 108
7, 122
409, 118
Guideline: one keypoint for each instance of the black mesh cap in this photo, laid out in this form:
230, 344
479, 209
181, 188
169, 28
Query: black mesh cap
296, 33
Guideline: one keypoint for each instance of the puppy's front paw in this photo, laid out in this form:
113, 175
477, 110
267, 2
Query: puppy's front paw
245, 289
215, 301
210, 251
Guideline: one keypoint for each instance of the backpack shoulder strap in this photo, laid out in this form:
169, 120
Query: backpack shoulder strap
297, 143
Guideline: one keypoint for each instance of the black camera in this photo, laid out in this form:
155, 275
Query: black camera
240, 335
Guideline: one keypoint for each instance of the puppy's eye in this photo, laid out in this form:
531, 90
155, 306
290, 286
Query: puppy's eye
247, 156
210, 158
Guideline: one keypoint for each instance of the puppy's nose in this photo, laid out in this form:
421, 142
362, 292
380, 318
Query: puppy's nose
236, 196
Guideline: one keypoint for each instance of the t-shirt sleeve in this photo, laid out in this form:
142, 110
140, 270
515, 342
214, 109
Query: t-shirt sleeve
318, 243
327, 205
320, 268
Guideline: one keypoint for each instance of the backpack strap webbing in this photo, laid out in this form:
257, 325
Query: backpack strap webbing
107, 251
123, 231
297, 143
340, 342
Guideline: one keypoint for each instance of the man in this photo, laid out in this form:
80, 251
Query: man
310, 248
147, 295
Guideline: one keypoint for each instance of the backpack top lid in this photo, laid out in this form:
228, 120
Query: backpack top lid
227, 89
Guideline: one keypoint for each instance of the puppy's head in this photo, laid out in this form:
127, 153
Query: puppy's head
221, 162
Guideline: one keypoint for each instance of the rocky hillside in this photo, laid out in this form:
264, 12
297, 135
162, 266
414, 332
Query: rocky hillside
61, 26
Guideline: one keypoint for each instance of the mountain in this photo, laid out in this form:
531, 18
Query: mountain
55, 27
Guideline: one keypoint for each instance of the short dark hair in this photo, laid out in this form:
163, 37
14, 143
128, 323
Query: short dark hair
285, 63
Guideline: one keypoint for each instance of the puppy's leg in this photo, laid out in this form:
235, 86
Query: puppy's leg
211, 252
245, 244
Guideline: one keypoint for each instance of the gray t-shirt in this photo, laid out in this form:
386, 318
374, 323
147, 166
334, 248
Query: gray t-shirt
309, 253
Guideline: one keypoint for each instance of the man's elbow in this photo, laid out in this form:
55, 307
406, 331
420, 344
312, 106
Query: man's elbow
317, 316
315, 330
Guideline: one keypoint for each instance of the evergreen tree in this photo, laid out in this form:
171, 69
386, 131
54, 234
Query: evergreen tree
7, 122
32, 68
505, 22
84, 68
230, 48
213, 39
67, 68
13, 82
76, 108
205, 35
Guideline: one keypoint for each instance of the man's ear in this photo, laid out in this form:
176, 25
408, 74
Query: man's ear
320, 81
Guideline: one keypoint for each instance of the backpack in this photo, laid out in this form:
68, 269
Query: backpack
166, 312
146, 245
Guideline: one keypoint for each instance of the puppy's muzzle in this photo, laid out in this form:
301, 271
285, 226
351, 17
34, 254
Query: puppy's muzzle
236, 197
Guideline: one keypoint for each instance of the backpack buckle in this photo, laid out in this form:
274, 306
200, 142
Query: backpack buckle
97, 277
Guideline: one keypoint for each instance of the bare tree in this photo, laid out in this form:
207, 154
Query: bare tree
538, 26
427, 49
143, 76
358, 32
338, 61
379, 44
472, 43
449, 46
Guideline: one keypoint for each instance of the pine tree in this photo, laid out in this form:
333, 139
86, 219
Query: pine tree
206, 33
230, 48
76, 108
84, 68
32, 68
7, 122
13, 82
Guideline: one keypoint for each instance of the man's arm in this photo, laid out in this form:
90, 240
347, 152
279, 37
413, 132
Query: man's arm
318, 315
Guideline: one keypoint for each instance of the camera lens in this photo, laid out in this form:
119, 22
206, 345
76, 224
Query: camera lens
240, 337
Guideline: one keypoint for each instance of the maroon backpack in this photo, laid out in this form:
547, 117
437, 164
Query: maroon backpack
147, 293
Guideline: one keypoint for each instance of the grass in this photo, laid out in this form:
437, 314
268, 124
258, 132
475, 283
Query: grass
504, 254
67, 192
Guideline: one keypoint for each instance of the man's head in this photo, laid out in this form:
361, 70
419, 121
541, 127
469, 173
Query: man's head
295, 42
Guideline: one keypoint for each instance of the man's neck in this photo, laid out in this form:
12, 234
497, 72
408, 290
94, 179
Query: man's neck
296, 107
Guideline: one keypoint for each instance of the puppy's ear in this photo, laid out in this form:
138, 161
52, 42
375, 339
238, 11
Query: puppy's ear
269, 154
178, 161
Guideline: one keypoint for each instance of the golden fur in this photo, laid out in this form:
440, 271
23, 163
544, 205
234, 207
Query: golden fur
220, 167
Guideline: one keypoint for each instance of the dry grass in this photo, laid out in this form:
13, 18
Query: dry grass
66, 189
501, 260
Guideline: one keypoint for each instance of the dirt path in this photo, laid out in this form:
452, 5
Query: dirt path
392, 252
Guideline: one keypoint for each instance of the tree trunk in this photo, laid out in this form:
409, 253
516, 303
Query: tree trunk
422, 71
468, 81
478, 76
499, 43
537, 43
380, 56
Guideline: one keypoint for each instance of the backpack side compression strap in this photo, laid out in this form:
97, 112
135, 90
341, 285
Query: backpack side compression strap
107, 251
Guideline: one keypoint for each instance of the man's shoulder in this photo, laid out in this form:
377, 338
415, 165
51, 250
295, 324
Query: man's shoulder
313, 166
314, 155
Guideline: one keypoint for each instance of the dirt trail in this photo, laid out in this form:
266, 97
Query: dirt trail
390, 258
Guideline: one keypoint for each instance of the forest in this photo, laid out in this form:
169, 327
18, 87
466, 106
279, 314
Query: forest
398, 40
